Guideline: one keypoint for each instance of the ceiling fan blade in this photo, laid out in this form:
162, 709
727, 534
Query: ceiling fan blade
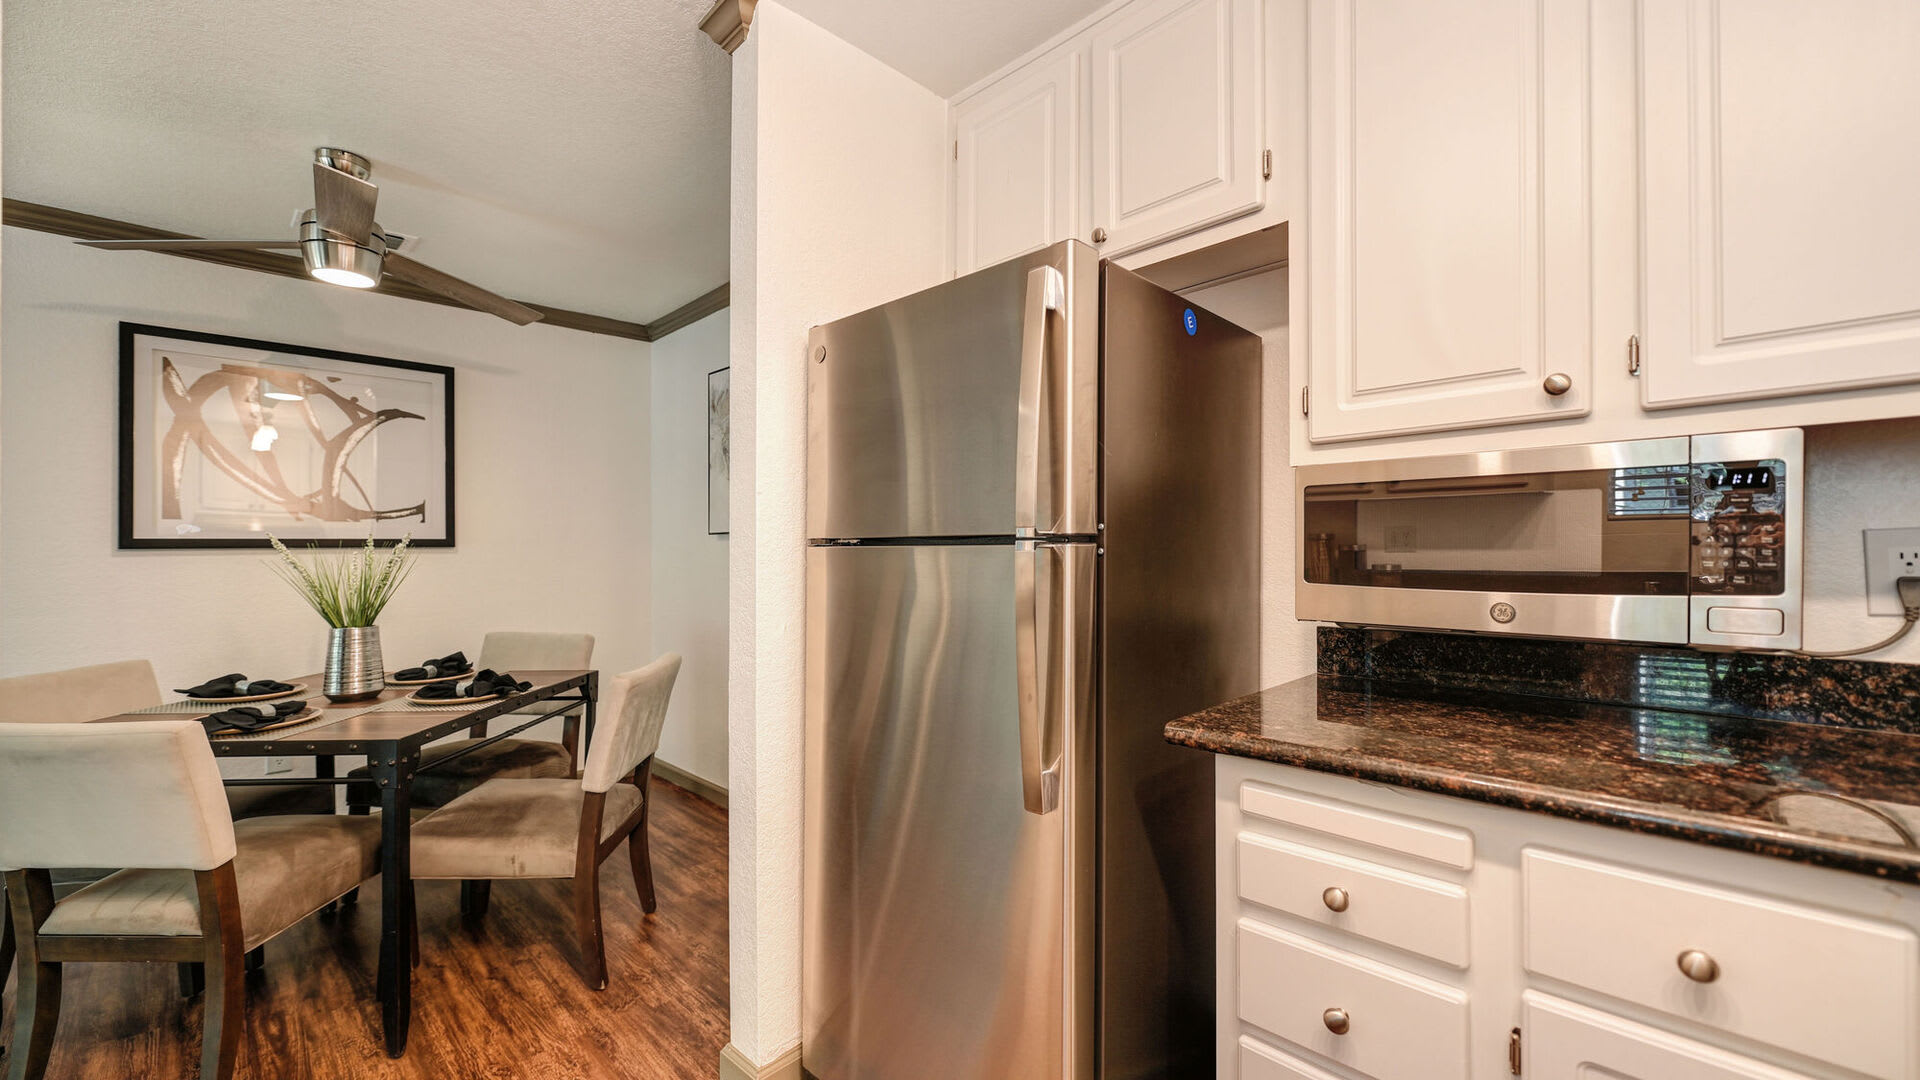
455, 289
189, 245
343, 203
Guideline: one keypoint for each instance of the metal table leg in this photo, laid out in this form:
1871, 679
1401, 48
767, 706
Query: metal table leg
393, 778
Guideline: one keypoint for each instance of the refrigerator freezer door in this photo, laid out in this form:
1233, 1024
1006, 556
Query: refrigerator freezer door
969, 409
946, 924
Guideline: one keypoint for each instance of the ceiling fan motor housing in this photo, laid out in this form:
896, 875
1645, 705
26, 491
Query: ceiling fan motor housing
333, 257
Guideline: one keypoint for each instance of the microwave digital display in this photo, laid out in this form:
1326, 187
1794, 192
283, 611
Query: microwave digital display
1751, 479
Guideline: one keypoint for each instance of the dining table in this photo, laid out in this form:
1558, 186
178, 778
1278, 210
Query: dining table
390, 731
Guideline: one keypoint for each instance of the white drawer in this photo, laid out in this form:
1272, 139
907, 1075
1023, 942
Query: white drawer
1399, 1025
1390, 906
1565, 1041
1258, 1061
1427, 840
1827, 985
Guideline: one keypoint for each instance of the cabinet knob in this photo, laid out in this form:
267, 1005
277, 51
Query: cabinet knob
1557, 383
1099, 235
1698, 966
1335, 898
1336, 1021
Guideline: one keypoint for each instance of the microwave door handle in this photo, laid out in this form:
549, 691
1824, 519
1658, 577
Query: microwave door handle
1035, 658
1046, 292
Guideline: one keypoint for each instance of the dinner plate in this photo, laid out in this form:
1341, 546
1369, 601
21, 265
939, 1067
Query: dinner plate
300, 717
418, 700
426, 682
298, 688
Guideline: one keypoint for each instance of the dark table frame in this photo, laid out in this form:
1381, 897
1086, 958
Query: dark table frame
393, 763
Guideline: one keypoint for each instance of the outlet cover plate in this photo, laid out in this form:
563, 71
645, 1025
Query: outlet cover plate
1891, 554
279, 765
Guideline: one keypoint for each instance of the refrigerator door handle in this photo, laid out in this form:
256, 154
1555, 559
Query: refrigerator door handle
1036, 655
1046, 292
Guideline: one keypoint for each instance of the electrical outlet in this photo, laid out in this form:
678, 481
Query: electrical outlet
279, 764
1401, 538
1891, 555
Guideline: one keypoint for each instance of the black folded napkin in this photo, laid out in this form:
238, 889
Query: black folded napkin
251, 717
489, 683
451, 664
235, 685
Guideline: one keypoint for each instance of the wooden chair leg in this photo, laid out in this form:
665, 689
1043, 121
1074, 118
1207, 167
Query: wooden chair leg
225, 965
36, 1015
570, 738
642, 859
586, 926
193, 978
473, 898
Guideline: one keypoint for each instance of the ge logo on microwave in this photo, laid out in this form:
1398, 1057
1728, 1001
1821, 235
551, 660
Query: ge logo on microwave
1502, 612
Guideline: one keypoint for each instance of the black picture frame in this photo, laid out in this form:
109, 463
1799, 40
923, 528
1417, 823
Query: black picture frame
127, 480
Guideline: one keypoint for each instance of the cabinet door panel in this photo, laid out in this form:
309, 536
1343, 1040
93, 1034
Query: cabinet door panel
1017, 155
1176, 119
1782, 233
1448, 217
1565, 1041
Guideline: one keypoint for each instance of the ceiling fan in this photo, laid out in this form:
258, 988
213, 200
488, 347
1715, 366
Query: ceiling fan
343, 245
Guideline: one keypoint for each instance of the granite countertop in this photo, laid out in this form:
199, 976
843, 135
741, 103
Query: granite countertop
1795, 791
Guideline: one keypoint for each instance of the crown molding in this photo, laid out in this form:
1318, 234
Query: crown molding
79, 226
728, 21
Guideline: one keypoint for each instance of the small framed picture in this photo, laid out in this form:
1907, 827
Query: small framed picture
225, 439
718, 450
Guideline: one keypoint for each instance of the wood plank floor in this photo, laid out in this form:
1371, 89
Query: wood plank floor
496, 1001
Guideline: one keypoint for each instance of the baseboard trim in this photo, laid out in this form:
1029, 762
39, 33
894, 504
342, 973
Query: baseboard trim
681, 778
735, 1066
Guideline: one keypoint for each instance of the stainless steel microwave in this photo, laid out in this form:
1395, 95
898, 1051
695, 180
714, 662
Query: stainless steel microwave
1684, 540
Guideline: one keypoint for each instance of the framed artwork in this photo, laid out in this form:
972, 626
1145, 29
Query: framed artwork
719, 449
224, 440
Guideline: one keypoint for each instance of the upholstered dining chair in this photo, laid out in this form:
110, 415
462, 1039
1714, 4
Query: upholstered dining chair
74, 695
511, 651
148, 795
563, 828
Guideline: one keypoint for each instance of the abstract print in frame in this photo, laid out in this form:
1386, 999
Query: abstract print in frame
225, 439
719, 449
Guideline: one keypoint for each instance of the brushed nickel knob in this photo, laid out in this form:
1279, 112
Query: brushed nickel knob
1335, 898
1099, 235
1698, 966
1336, 1021
1557, 383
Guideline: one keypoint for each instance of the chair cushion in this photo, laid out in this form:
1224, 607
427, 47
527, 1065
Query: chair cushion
285, 867
262, 800
512, 829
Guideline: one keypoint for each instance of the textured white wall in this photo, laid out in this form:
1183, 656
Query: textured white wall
689, 567
839, 203
552, 475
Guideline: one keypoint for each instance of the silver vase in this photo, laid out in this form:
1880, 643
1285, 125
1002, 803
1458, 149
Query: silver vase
354, 670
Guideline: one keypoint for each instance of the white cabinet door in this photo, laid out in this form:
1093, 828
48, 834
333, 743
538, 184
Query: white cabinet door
1176, 119
1564, 1041
1448, 224
1782, 197
1017, 162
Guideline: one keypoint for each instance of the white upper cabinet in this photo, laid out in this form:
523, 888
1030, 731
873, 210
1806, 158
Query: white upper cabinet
1017, 154
1448, 231
1781, 160
1177, 119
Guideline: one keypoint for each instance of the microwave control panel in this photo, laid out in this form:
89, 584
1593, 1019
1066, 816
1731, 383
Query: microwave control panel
1739, 511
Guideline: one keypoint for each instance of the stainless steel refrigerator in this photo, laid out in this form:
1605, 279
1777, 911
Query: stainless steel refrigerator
1033, 499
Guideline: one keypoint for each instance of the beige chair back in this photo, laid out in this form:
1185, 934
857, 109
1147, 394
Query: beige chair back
76, 694
518, 650
143, 794
632, 711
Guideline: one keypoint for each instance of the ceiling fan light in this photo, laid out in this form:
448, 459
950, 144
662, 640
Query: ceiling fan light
339, 262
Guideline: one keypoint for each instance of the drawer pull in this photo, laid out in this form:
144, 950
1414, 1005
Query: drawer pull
1698, 966
1336, 1021
1335, 898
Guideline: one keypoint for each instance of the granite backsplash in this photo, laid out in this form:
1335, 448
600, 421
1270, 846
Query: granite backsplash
1838, 693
